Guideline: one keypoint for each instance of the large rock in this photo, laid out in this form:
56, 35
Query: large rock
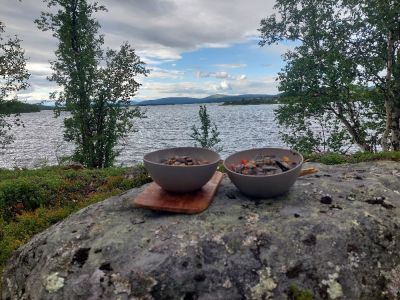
336, 234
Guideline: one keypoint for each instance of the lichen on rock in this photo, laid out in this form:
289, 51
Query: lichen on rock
334, 288
240, 248
54, 283
265, 285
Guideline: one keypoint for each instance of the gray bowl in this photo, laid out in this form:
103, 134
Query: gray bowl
181, 179
268, 185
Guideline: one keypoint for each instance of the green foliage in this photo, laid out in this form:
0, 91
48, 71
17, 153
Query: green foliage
328, 104
374, 47
328, 158
221, 167
31, 193
17, 107
207, 135
255, 101
97, 85
49, 195
336, 158
13, 78
299, 294
27, 190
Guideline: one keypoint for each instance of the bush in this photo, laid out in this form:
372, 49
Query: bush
32, 200
29, 193
335, 158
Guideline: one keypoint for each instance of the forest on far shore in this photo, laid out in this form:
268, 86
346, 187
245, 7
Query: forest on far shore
18, 107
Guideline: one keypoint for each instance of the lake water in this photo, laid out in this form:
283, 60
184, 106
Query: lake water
241, 127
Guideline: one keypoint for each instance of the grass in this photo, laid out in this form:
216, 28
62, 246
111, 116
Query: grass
335, 158
299, 294
33, 200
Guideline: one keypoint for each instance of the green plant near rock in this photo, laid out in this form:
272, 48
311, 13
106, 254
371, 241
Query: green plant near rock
299, 294
32, 200
336, 158
207, 136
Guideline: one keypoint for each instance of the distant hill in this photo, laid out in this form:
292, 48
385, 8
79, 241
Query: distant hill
253, 101
210, 99
216, 96
17, 107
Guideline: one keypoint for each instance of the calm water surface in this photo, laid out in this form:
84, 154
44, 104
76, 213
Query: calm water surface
241, 127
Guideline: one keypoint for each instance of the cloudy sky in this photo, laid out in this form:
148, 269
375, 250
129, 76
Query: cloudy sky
192, 47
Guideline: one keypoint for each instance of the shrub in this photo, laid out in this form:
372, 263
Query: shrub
207, 136
49, 195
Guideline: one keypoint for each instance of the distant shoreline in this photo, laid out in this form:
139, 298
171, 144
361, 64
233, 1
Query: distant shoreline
18, 107
270, 99
252, 102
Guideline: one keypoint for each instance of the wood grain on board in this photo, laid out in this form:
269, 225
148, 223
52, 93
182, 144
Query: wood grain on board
155, 198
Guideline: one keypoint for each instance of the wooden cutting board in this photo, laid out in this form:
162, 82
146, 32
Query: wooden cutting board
155, 198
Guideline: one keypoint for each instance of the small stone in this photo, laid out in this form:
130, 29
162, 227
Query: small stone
326, 199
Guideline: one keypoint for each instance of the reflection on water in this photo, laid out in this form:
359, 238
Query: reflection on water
241, 127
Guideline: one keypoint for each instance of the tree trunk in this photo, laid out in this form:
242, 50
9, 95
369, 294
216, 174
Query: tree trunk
353, 129
395, 127
391, 136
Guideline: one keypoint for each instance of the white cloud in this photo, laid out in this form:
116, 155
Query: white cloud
39, 68
159, 30
156, 72
219, 75
278, 48
259, 85
223, 86
230, 66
